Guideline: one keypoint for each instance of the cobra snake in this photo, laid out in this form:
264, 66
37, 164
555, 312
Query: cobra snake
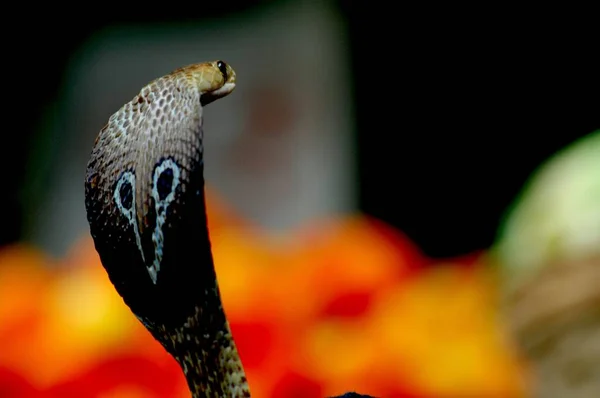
145, 205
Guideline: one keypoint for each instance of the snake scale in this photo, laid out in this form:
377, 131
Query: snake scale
145, 204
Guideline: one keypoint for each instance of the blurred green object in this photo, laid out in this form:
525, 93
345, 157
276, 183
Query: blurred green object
548, 253
557, 215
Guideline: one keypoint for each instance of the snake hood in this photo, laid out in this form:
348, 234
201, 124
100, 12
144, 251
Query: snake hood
144, 192
144, 198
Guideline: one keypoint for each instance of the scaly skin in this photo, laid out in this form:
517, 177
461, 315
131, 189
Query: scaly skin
145, 204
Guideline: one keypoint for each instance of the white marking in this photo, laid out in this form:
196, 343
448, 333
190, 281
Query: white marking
129, 178
161, 207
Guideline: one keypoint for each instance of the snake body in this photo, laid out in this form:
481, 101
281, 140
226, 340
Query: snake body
145, 204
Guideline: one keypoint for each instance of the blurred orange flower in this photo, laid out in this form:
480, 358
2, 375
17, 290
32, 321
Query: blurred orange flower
347, 304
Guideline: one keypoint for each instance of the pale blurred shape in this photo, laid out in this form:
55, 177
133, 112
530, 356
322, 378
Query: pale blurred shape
550, 254
557, 217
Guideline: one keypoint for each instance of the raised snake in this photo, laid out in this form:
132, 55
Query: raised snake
145, 204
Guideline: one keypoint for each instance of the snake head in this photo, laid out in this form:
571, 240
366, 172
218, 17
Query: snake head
144, 195
221, 84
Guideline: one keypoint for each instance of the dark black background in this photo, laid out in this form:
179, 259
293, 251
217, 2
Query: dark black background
454, 107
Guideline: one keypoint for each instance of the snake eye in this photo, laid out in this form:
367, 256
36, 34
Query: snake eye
223, 68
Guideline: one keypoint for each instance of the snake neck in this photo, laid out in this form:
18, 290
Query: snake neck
201, 341
204, 348
188, 319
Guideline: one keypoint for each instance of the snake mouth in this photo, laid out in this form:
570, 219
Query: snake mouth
221, 92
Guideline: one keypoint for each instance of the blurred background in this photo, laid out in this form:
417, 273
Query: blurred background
392, 161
